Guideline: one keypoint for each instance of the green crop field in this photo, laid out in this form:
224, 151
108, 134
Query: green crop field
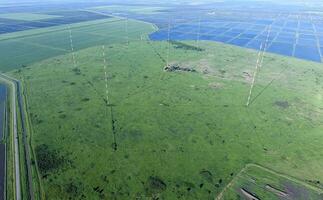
116, 125
27, 16
23, 48
134, 9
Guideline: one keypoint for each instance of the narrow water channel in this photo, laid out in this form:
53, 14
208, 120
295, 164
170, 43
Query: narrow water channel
3, 94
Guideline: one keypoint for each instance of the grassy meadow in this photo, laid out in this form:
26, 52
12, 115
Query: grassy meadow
163, 134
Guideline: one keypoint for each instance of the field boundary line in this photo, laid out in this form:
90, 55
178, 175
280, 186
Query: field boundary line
220, 196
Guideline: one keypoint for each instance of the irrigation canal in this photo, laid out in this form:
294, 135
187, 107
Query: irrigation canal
3, 97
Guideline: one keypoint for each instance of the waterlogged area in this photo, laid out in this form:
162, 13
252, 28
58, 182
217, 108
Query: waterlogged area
293, 29
3, 94
286, 33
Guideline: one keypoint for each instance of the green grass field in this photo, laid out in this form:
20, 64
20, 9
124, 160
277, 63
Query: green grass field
160, 134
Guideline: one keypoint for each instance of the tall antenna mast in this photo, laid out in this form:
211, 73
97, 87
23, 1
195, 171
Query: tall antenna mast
126, 30
168, 42
259, 62
113, 121
105, 74
72, 46
198, 32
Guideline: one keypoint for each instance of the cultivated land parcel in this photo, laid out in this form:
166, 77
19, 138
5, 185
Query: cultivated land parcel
177, 134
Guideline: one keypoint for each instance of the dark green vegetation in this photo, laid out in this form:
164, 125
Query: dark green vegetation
182, 45
167, 134
48, 159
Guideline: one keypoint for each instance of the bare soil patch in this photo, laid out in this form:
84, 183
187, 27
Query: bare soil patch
177, 67
215, 85
276, 191
247, 76
282, 104
248, 194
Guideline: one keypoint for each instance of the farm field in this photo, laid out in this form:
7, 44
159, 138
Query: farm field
45, 43
26, 16
23, 21
182, 134
134, 9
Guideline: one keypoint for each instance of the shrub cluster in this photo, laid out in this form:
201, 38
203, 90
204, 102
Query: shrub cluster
48, 159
